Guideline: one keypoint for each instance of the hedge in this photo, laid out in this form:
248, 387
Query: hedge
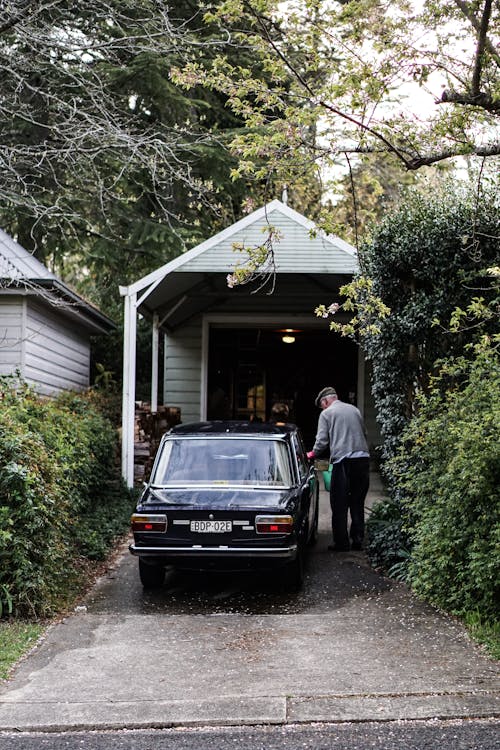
448, 473
61, 499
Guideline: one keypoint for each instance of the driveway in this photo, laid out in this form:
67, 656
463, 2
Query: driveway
350, 646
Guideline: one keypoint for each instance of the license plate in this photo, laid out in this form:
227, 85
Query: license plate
211, 527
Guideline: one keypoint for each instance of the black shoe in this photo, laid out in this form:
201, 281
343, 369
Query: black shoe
337, 548
357, 545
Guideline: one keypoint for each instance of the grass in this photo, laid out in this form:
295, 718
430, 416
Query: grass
485, 633
16, 639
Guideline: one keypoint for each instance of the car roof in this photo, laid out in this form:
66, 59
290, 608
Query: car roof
225, 427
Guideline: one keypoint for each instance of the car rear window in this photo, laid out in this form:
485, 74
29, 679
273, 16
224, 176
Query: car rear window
221, 461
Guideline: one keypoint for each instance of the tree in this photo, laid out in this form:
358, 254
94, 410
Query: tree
108, 166
372, 186
343, 73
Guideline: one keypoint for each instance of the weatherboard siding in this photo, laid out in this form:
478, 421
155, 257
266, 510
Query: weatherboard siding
182, 380
295, 252
11, 334
57, 355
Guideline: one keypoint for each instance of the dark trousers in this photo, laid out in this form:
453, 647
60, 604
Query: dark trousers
350, 482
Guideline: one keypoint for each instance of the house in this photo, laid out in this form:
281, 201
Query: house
233, 352
45, 327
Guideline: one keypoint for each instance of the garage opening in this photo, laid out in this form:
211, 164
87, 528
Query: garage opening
250, 369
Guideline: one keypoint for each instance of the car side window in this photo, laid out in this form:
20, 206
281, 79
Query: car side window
301, 456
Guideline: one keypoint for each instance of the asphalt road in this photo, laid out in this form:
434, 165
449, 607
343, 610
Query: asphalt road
425, 735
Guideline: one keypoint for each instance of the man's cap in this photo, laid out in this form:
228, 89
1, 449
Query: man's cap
328, 391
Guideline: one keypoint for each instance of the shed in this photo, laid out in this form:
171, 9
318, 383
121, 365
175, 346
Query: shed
45, 327
232, 352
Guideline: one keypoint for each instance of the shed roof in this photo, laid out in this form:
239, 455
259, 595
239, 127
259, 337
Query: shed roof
19, 269
301, 250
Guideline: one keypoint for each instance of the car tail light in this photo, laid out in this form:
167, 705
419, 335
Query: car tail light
274, 524
148, 522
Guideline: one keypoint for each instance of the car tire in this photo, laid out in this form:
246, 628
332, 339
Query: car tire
294, 572
152, 576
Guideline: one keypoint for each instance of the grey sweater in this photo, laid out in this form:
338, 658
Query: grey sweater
341, 427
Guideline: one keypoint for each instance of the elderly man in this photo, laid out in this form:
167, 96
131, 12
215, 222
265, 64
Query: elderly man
341, 429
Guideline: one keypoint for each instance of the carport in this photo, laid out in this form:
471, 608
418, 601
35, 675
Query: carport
232, 352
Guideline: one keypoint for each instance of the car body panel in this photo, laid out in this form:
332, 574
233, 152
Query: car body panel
211, 481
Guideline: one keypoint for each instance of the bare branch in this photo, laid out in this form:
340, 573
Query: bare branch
478, 25
481, 43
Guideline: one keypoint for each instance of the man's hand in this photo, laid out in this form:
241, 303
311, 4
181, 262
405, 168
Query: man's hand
310, 455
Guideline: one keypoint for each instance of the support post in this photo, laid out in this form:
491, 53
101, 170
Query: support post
128, 395
155, 346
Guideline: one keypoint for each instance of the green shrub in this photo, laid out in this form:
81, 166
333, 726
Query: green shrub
388, 545
61, 498
424, 260
448, 474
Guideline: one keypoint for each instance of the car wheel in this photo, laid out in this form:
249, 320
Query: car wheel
294, 572
152, 576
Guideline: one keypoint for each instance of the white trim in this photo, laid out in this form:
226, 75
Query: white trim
148, 292
128, 398
155, 348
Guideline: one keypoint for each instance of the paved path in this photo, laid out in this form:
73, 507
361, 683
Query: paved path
351, 646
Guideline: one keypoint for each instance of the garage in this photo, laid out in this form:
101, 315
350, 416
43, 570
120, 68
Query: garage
233, 352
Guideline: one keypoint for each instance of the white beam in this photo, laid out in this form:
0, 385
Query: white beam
128, 395
155, 346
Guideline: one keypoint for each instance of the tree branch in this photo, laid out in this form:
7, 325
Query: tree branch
23, 10
476, 76
471, 100
492, 51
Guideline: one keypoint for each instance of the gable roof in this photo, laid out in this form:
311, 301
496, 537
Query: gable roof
301, 249
19, 269
17, 264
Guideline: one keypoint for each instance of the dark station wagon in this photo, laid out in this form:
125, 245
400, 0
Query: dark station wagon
227, 496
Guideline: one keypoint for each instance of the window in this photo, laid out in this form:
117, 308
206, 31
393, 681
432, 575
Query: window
235, 461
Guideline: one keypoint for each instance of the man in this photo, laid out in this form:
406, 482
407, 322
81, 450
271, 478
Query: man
341, 429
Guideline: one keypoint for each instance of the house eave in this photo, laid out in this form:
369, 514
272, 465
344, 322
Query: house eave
58, 295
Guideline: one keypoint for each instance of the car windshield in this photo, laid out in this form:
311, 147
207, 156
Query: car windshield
216, 461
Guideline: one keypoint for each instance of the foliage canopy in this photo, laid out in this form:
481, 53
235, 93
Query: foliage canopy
426, 262
109, 168
419, 81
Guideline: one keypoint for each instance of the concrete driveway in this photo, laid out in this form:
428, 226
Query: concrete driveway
350, 646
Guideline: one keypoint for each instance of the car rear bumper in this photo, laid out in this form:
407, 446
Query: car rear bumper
169, 554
